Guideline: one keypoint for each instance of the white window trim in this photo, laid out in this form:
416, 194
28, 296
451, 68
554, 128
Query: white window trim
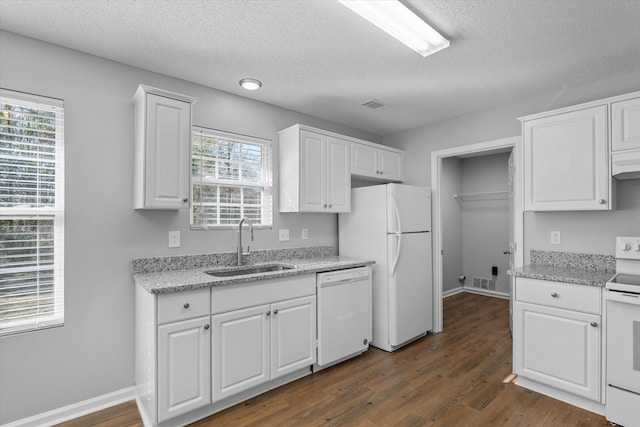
267, 185
55, 213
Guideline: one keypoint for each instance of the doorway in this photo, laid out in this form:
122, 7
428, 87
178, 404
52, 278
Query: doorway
441, 165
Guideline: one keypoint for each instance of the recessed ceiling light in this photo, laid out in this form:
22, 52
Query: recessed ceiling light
398, 21
251, 84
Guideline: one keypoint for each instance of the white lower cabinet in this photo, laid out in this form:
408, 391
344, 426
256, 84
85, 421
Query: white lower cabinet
293, 335
257, 344
184, 367
559, 348
557, 339
240, 350
196, 348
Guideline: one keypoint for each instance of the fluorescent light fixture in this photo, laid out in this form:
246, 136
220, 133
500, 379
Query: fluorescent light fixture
251, 84
397, 20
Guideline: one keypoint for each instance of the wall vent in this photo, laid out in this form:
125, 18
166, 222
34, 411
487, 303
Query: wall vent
482, 283
374, 104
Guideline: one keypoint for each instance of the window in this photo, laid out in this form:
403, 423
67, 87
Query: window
31, 212
231, 179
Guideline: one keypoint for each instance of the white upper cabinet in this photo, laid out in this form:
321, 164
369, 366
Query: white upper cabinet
162, 149
316, 167
372, 162
625, 124
567, 160
314, 171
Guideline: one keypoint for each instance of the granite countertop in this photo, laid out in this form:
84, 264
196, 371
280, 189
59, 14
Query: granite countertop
580, 269
195, 278
577, 276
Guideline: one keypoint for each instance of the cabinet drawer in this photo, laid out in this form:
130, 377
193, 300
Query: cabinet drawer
250, 294
183, 305
567, 296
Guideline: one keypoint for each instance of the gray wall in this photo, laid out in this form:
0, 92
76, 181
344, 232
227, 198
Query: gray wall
93, 353
589, 232
451, 183
474, 229
485, 220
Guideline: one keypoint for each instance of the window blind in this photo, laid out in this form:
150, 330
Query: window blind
231, 179
31, 212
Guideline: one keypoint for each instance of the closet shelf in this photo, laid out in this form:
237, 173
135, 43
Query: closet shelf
485, 195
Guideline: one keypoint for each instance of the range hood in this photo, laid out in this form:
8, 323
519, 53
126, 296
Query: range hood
625, 164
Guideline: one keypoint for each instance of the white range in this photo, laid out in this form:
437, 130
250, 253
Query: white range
623, 335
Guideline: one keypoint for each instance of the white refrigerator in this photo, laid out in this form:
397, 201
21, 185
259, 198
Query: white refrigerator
391, 224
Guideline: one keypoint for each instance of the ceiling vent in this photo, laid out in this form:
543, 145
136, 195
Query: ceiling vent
374, 104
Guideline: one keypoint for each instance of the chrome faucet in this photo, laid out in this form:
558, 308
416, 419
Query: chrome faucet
240, 253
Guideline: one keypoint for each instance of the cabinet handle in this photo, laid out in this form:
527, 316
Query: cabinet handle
553, 294
185, 200
275, 312
186, 305
268, 313
602, 201
206, 327
330, 205
325, 205
594, 324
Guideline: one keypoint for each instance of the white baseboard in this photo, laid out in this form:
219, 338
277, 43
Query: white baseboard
451, 292
486, 292
76, 410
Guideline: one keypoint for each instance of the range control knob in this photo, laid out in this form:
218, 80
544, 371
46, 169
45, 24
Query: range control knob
625, 246
636, 247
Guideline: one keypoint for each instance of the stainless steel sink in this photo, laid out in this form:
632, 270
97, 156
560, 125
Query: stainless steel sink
248, 270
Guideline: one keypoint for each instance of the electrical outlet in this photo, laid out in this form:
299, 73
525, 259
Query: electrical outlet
556, 238
305, 233
174, 239
283, 234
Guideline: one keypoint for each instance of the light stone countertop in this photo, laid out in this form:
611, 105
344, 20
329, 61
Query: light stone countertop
576, 276
196, 278
568, 267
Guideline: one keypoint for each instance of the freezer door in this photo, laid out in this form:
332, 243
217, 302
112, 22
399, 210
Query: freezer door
408, 208
410, 286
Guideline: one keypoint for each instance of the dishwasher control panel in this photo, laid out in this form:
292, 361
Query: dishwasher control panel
338, 276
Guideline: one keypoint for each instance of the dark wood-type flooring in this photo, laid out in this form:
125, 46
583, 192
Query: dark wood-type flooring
449, 379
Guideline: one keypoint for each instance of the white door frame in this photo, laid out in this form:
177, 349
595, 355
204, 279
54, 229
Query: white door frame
436, 171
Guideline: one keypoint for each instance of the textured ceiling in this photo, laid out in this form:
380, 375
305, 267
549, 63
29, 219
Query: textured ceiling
319, 58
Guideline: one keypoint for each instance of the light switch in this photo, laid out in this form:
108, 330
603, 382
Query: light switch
305, 233
283, 234
174, 239
556, 238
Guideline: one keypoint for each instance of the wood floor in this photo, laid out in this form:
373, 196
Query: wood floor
449, 379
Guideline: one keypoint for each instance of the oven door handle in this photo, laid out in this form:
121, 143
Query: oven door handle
625, 297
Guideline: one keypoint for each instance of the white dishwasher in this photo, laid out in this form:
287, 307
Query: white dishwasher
344, 314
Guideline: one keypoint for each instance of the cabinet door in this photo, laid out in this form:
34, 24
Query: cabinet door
293, 335
338, 175
240, 350
364, 160
625, 124
168, 150
391, 165
313, 170
559, 348
566, 161
184, 367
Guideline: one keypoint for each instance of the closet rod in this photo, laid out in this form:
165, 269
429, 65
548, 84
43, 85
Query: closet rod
484, 193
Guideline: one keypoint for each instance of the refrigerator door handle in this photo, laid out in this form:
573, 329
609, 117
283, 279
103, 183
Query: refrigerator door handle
395, 259
395, 210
